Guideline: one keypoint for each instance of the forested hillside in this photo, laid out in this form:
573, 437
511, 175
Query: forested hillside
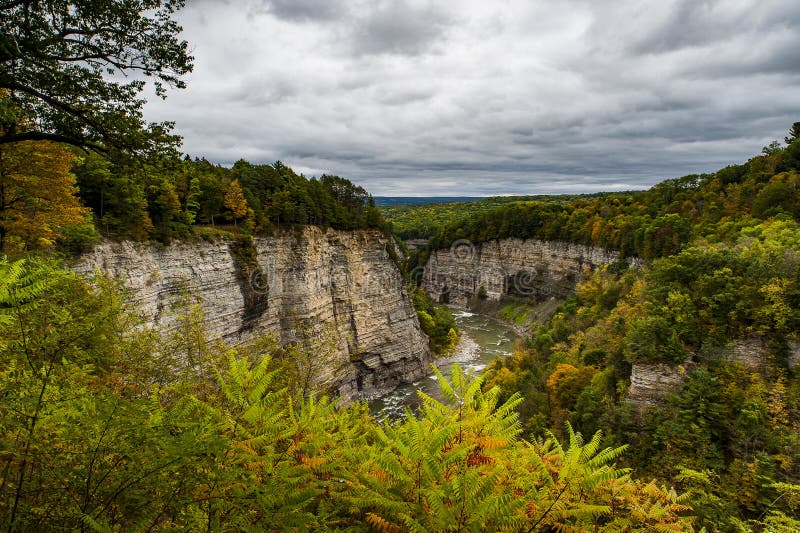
163, 199
424, 220
659, 221
716, 309
80, 196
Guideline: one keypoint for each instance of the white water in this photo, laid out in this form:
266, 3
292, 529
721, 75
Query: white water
482, 339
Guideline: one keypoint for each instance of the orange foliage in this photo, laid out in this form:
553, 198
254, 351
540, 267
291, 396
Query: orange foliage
37, 194
382, 524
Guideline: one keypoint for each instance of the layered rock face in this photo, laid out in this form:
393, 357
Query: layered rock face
652, 383
491, 270
342, 283
751, 352
794, 354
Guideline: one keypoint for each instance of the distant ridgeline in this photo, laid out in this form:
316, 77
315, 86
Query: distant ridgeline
163, 199
415, 218
385, 201
653, 223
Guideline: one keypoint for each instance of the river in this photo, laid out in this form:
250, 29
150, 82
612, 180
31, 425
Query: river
482, 339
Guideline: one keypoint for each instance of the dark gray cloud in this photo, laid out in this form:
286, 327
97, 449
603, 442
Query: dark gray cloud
689, 24
305, 10
391, 27
704, 23
411, 97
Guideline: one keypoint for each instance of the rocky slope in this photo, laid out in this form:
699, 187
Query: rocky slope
490, 270
335, 282
652, 383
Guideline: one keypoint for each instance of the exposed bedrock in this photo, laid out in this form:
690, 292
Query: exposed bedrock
652, 383
522, 267
341, 281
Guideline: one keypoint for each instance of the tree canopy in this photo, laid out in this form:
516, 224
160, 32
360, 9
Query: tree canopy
73, 71
37, 195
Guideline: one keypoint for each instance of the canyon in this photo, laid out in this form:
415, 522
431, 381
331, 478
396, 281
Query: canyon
343, 287
340, 286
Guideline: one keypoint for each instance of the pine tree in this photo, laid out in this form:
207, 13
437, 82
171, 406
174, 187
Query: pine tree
193, 200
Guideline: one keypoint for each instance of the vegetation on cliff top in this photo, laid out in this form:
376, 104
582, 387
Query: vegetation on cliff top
649, 224
424, 220
164, 198
657, 222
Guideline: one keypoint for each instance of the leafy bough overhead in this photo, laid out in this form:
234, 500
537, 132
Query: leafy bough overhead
72, 72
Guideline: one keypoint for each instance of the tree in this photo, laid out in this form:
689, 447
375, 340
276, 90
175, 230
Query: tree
235, 200
37, 194
83, 447
55, 61
165, 211
116, 192
794, 133
193, 200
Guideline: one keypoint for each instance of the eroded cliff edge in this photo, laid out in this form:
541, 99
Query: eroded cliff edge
521, 267
343, 280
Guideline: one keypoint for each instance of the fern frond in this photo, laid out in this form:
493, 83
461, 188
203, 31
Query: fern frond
445, 385
381, 524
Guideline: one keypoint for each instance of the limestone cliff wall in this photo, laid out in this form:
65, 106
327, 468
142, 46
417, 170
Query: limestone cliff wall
652, 383
344, 281
524, 267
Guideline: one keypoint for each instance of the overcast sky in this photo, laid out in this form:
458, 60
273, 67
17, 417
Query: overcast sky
485, 97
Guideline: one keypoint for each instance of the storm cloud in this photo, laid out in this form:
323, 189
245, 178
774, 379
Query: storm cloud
471, 98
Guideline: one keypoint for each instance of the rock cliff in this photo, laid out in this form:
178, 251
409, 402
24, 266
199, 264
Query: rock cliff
344, 282
491, 270
652, 383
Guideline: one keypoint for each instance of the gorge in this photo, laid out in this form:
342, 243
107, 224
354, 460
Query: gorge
346, 281
342, 284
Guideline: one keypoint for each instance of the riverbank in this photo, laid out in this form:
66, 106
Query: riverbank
483, 338
517, 313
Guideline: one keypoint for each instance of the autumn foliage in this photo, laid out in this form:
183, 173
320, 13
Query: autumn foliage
37, 195
90, 441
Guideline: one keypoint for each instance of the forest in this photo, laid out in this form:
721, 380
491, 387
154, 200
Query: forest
79, 197
718, 302
108, 425
423, 220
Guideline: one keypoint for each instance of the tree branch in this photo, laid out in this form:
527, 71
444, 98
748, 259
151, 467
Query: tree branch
55, 137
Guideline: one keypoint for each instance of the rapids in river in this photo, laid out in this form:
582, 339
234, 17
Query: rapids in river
482, 339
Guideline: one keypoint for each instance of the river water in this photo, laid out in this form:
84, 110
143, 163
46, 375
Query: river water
482, 339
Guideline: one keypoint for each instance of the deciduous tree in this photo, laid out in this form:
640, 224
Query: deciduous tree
235, 200
60, 62
37, 194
